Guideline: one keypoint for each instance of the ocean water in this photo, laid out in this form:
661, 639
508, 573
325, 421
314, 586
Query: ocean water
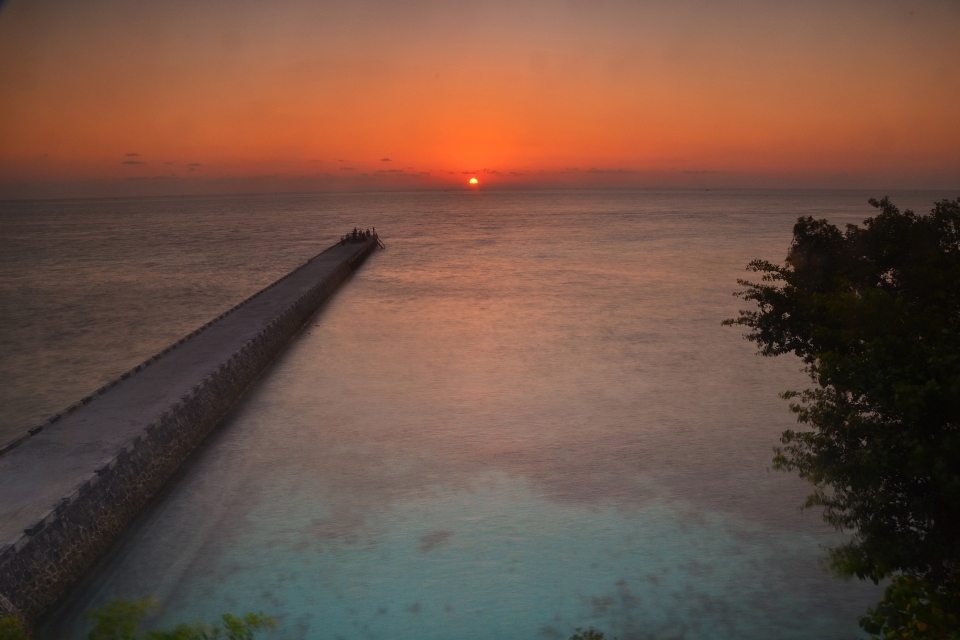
520, 418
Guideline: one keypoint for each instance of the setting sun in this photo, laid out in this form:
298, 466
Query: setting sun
474, 181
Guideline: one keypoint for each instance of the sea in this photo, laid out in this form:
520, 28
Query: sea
521, 418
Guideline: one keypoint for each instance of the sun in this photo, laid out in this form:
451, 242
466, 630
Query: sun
474, 181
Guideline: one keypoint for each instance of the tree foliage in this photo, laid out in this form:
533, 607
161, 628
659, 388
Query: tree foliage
874, 313
12, 629
120, 619
911, 610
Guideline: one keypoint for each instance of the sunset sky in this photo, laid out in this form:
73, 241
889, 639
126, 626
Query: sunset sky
105, 97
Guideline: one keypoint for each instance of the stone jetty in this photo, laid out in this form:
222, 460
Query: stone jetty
70, 486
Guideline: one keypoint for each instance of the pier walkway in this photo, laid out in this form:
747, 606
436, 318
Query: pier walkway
130, 435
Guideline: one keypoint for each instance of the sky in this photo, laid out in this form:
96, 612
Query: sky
104, 97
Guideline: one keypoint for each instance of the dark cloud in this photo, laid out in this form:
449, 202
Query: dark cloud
194, 164
384, 159
151, 179
612, 171
133, 162
131, 155
346, 169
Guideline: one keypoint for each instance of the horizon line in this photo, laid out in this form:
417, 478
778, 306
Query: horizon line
501, 188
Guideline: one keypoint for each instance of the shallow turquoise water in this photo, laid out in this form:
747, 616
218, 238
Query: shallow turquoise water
498, 560
521, 418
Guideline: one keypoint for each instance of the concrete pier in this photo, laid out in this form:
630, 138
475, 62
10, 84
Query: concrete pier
72, 485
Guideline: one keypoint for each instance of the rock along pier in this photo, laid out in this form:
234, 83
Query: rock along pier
70, 486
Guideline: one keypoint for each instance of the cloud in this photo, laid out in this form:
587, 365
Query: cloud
612, 171
699, 172
154, 179
346, 169
399, 173
133, 162
384, 159
167, 163
131, 155
194, 164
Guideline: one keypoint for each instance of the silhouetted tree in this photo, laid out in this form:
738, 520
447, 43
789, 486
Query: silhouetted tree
874, 313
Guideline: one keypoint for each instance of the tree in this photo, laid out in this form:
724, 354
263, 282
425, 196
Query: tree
874, 314
12, 629
913, 609
120, 619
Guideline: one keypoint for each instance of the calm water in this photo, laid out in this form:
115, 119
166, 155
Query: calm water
521, 418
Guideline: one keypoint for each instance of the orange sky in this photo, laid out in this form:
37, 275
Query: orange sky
180, 96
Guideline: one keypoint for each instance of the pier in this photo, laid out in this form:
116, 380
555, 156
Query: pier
69, 487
